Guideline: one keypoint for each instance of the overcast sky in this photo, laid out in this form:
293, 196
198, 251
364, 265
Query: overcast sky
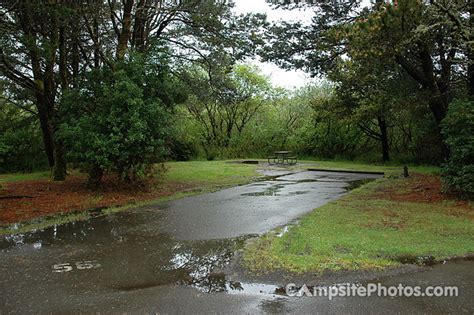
280, 77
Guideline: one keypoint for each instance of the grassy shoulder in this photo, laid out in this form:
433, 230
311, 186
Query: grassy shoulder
36, 202
381, 224
388, 169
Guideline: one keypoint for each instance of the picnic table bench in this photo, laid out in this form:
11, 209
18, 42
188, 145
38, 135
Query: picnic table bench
282, 157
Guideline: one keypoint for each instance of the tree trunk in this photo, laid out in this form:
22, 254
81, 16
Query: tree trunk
439, 100
384, 138
95, 176
59, 169
439, 108
124, 36
138, 38
46, 129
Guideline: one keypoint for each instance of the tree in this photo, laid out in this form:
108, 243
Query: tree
50, 47
428, 40
223, 102
32, 57
118, 120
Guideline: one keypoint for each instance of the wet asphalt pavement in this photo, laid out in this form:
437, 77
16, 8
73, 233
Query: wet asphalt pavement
169, 258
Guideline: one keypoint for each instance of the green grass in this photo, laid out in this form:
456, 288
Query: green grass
389, 169
210, 172
16, 177
360, 231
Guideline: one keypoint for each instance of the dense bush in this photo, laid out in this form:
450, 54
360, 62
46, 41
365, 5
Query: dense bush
458, 131
180, 150
119, 120
21, 144
21, 151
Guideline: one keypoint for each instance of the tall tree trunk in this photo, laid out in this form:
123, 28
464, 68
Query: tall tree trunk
439, 108
46, 128
138, 37
384, 138
124, 36
42, 39
50, 87
59, 169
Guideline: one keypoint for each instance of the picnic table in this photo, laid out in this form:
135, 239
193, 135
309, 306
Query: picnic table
282, 157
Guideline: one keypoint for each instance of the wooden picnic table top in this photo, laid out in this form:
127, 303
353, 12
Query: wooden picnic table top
282, 152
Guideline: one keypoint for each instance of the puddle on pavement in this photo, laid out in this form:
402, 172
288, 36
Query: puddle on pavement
276, 189
234, 287
269, 191
143, 261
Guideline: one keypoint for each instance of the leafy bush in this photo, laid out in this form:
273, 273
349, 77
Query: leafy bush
181, 150
119, 119
458, 131
21, 144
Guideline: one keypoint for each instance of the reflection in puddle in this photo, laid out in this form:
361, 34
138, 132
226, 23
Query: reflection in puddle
300, 192
270, 191
234, 287
143, 261
276, 189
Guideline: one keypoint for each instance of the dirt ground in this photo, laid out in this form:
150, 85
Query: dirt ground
25, 200
425, 189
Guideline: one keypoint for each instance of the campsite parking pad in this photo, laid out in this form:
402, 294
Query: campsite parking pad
169, 257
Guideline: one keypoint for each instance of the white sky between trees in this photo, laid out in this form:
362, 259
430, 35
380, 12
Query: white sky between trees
278, 76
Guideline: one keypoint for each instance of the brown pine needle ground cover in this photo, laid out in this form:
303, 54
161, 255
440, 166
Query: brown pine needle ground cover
24, 200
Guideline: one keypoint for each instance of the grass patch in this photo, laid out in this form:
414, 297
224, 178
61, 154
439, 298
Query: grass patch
210, 172
388, 169
17, 177
366, 230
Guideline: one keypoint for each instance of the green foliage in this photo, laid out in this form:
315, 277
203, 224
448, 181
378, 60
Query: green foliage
458, 130
224, 101
181, 150
21, 148
118, 120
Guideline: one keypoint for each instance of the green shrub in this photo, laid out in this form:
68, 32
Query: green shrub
119, 120
458, 132
181, 150
21, 149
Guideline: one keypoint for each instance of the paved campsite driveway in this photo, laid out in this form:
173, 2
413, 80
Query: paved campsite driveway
167, 258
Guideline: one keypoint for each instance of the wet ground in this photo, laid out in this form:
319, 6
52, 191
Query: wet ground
174, 257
